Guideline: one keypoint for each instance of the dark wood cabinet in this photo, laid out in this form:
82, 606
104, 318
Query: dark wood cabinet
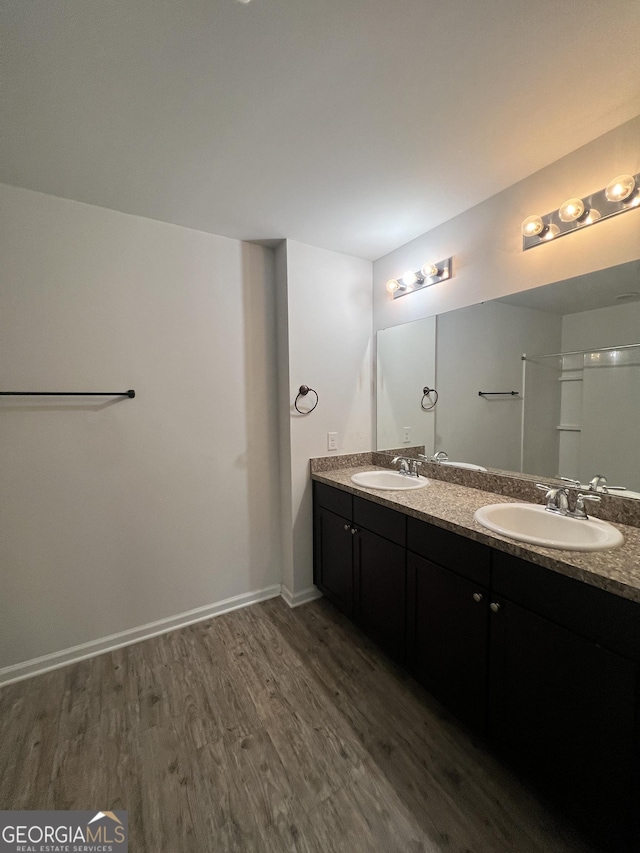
564, 697
546, 666
447, 637
333, 544
361, 572
380, 582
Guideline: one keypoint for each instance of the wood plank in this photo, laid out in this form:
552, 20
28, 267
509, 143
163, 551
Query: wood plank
264, 730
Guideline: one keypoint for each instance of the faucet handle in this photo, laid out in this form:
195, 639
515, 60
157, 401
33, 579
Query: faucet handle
575, 483
543, 488
580, 510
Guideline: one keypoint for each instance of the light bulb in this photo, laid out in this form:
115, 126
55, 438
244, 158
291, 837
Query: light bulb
428, 269
552, 231
409, 278
571, 210
591, 217
532, 226
620, 188
392, 285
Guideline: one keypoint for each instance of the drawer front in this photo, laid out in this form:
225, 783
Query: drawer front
463, 556
385, 522
334, 499
600, 616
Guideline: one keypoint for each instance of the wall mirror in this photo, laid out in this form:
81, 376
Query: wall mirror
570, 408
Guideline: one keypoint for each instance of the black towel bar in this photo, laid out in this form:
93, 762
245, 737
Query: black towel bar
130, 393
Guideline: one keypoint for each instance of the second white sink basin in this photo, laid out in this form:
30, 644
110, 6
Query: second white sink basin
468, 465
534, 524
390, 481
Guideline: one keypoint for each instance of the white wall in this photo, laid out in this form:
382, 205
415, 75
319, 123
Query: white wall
479, 348
486, 243
328, 346
406, 363
118, 513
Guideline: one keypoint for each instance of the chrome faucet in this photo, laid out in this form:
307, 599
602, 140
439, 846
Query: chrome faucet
402, 462
598, 484
558, 501
440, 456
406, 465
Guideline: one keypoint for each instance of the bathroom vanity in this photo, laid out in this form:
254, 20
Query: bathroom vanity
536, 651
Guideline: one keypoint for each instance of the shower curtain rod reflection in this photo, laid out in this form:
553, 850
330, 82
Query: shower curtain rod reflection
526, 357
130, 393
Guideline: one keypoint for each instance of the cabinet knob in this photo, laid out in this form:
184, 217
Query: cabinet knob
346, 527
354, 530
477, 596
494, 606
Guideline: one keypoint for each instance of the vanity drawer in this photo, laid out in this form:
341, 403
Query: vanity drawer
463, 556
600, 616
334, 499
385, 522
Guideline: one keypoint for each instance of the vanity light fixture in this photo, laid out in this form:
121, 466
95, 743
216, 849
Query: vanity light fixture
620, 195
428, 274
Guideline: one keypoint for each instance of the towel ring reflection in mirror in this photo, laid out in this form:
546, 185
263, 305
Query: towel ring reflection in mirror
304, 390
427, 392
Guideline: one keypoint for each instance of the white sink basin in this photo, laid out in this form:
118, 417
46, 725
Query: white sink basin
468, 465
536, 525
388, 481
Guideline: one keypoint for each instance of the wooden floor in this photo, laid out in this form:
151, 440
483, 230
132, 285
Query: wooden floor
266, 729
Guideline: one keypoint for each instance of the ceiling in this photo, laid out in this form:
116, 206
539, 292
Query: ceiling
599, 289
353, 125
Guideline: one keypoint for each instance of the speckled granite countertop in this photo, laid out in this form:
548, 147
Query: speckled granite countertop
452, 507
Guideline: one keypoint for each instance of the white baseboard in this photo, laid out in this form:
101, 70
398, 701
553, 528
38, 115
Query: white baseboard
295, 599
46, 663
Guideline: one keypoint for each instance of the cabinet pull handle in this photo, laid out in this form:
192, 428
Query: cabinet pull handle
477, 597
346, 527
494, 606
354, 530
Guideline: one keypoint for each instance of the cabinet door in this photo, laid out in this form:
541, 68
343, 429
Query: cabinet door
447, 635
333, 559
562, 709
380, 577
